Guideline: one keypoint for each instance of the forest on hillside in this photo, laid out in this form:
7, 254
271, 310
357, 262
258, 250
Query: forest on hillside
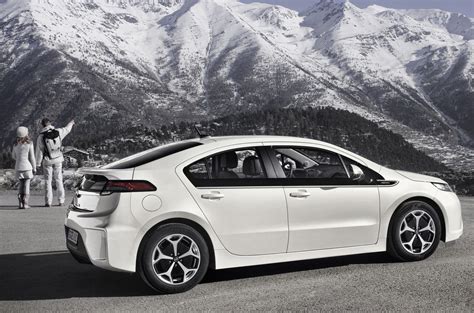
342, 128
338, 127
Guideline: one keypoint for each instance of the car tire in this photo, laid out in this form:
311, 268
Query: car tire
174, 259
415, 231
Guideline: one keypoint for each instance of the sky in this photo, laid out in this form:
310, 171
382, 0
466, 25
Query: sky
462, 6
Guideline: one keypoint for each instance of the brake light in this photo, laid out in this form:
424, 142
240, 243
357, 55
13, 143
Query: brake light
127, 186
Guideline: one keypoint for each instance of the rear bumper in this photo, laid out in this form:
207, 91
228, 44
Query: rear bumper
78, 251
107, 247
107, 229
91, 247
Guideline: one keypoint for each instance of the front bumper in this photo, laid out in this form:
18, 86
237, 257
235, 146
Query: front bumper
452, 214
454, 235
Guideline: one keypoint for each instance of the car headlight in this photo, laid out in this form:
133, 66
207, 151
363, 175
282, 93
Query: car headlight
443, 187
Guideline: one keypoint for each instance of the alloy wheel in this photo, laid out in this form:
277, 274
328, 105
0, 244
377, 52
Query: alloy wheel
417, 232
176, 259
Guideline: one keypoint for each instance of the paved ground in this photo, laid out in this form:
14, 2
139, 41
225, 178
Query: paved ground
36, 274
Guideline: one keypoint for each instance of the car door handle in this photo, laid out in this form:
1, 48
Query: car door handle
300, 194
212, 196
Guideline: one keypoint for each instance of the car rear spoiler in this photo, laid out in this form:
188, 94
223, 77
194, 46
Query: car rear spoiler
109, 173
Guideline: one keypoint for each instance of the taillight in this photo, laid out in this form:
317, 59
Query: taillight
127, 186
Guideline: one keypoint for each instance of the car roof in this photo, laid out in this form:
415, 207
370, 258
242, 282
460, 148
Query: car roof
284, 139
265, 139
260, 138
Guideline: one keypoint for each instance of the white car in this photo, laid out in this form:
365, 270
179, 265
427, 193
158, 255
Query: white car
172, 212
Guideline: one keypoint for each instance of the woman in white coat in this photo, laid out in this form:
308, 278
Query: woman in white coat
25, 166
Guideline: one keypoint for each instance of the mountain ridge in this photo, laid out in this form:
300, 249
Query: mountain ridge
155, 61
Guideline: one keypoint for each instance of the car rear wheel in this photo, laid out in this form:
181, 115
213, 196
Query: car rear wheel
414, 232
175, 259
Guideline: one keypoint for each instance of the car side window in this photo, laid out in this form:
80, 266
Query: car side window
312, 165
230, 168
360, 174
200, 169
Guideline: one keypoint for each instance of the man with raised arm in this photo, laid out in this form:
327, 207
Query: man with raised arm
49, 155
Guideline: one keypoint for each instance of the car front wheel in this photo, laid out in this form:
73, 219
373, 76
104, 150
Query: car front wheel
415, 231
175, 259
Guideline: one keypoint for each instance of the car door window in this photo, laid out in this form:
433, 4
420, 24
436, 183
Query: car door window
360, 174
310, 163
309, 166
240, 167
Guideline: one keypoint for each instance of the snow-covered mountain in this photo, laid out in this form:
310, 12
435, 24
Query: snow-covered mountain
152, 61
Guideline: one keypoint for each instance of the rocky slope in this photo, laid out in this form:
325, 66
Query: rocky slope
153, 61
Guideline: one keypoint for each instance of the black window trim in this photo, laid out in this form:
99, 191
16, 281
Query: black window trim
344, 165
274, 177
380, 181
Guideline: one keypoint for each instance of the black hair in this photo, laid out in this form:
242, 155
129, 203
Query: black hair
45, 122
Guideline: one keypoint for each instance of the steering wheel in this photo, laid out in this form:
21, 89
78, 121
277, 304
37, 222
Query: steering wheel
288, 169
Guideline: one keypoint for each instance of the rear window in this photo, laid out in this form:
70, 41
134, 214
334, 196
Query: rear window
152, 155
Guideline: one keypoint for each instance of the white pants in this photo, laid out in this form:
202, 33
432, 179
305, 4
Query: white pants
56, 171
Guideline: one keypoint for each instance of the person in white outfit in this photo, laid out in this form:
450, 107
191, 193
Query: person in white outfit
25, 165
49, 155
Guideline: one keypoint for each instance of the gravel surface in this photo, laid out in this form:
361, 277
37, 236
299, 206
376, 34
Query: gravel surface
37, 274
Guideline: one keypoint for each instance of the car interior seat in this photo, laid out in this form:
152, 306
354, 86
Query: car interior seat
252, 167
227, 161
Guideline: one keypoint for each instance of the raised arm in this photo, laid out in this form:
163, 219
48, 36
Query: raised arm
63, 132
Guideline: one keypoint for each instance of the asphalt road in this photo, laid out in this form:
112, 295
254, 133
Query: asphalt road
37, 274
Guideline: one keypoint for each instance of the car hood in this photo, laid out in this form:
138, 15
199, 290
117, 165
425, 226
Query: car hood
421, 177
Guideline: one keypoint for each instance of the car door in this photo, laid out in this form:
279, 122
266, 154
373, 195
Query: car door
246, 211
326, 207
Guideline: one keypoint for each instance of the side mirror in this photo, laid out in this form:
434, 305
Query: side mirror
357, 173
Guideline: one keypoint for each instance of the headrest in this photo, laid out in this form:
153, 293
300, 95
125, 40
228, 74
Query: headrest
228, 160
252, 166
